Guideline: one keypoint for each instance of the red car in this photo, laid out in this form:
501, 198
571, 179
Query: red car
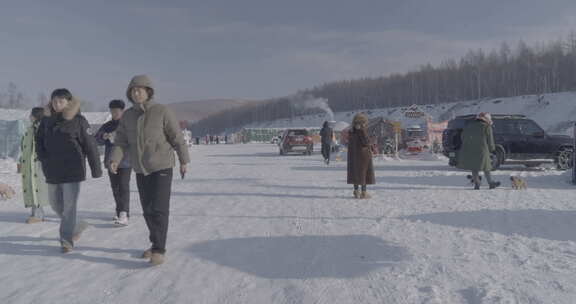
296, 140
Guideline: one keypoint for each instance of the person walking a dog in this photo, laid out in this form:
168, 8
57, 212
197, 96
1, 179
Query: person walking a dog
477, 146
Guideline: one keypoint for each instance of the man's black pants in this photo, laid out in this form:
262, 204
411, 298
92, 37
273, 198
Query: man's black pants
154, 190
120, 184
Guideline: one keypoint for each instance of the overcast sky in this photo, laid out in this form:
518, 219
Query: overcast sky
247, 48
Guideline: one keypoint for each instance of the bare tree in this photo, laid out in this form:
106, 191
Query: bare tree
15, 97
504, 72
42, 99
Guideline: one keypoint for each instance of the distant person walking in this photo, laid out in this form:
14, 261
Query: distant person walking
477, 146
326, 135
63, 143
119, 182
149, 132
34, 187
360, 167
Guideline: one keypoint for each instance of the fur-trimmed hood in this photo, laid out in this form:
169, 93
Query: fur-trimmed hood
361, 119
69, 112
485, 117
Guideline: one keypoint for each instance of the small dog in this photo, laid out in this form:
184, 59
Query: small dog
471, 180
517, 183
6, 192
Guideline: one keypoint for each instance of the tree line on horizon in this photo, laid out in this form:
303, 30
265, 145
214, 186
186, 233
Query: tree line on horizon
505, 72
13, 98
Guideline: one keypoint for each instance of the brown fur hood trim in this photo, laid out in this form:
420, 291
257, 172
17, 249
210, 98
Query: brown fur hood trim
69, 112
361, 119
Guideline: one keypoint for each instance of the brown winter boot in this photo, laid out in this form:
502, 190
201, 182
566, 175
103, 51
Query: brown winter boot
66, 247
80, 227
365, 195
33, 220
156, 259
147, 253
356, 194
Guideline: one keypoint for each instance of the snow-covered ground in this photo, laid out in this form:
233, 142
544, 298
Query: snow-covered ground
554, 112
249, 226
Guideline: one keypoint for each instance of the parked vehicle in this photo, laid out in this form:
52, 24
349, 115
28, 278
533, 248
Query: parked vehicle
518, 140
416, 139
423, 136
296, 140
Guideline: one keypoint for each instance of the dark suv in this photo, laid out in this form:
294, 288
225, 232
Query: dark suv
296, 140
518, 140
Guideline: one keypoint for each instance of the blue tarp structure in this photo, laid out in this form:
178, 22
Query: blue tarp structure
11, 132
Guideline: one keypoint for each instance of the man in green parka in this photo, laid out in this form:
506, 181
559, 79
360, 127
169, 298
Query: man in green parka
477, 146
34, 186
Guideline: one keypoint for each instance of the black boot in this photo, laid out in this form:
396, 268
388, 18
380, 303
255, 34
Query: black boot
494, 185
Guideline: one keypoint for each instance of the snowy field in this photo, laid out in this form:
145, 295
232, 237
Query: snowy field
249, 226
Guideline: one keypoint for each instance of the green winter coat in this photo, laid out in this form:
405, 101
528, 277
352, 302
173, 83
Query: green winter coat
34, 188
477, 145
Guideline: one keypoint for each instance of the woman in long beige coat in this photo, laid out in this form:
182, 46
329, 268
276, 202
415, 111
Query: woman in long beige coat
360, 167
34, 188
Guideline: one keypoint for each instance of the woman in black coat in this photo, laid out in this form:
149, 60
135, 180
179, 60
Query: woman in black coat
326, 135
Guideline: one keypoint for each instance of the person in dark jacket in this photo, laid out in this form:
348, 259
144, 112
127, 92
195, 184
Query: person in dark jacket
150, 133
477, 146
360, 167
63, 143
326, 135
119, 182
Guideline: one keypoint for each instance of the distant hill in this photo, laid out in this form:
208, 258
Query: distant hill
198, 109
555, 112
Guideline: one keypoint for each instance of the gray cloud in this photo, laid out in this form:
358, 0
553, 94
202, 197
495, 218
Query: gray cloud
253, 49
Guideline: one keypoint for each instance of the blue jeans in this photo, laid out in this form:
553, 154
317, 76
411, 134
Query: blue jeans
64, 201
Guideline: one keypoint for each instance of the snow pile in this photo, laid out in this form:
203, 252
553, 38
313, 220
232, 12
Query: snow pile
97, 118
7, 167
425, 156
11, 114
